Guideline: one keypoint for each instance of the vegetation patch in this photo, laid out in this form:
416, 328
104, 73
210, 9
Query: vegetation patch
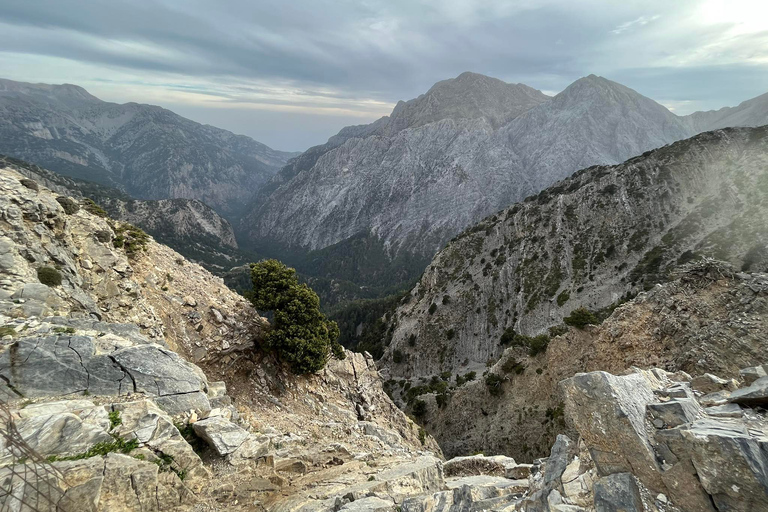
91, 207
580, 318
49, 276
494, 384
119, 445
132, 239
301, 335
69, 204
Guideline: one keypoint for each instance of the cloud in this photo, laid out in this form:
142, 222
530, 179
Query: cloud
353, 59
642, 20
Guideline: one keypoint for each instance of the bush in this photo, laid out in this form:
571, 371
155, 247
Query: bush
301, 335
580, 318
493, 382
419, 408
563, 298
512, 365
49, 276
130, 238
538, 344
450, 333
446, 299
30, 184
412, 340
397, 356
508, 336
69, 204
91, 207
432, 308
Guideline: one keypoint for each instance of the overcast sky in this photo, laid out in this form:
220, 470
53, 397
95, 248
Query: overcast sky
290, 73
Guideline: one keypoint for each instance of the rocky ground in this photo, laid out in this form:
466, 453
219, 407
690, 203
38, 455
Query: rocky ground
133, 380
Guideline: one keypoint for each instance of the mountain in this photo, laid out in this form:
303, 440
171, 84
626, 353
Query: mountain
591, 240
188, 225
470, 146
132, 379
752, 112
146, 151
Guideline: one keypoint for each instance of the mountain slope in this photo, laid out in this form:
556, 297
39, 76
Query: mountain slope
188, 225
589, 240
147, 151
470, 146
411, 178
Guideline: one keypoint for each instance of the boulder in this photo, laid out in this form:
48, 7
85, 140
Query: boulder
618, 493
709, 383
725, 411
610, 414
675, 412
753, 373
753, 395
223, 436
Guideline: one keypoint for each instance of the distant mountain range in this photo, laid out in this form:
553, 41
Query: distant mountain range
470, 146
144, 150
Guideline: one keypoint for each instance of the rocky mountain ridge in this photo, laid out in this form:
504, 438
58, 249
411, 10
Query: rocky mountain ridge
588, 241
187, 225
445, 160
147, 151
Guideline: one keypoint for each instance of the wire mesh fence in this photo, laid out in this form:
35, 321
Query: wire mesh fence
28, 482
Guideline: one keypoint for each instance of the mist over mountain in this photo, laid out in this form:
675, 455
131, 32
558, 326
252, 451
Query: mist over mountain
146, 151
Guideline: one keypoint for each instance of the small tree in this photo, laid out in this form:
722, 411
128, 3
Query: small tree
301, 335
580, 318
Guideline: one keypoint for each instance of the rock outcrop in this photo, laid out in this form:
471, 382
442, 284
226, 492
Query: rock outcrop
708, 322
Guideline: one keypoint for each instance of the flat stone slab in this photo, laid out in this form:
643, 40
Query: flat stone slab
222, 435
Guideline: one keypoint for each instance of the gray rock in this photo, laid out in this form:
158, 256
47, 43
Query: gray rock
616, 406
675, 412
709, 383
184, 402
725, 411
753, 395
159, 371
368, 504
752, 373
617, 493
223, 436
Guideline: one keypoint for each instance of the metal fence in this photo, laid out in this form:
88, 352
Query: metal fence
28, 482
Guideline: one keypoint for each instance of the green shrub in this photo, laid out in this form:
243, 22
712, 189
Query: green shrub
538, 344
30, 184
432, 308
557, 330
563, 298
512, 365
419, 408
69, 204
64, 330
446, 299
397, 356
114, 419
130, 238
301, 335
580, 318
412, 340
422, 436
7, 330
91, 207
49, 276
508, 336
493, 382
119, 445
450, 333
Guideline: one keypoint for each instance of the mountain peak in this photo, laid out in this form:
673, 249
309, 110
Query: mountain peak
58, 92
468, 96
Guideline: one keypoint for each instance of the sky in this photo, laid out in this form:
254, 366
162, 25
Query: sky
291, 73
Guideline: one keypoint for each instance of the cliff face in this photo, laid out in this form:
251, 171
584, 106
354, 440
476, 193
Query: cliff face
587, 241
708, 319
468, 147
147, 151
